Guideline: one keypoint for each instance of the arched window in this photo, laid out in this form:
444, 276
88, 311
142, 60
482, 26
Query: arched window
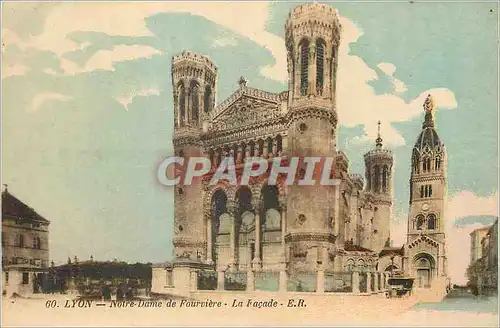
333, 69
207, 101
235, 152
431, 222
438, 163
252, 148
420, 222
182, 102
361, 265
194, 100
279, 144
385, 174
422, 192
350, 265
377, 178
20, 240
424, 165
429, 164
304, 67
261, 147
269, 142
37, 243
320, 64
430, 190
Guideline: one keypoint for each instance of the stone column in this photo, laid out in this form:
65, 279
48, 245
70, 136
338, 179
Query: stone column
187, 107
312, 69
239, 155
257, 259
250, 280
220, 280
275, 147
215, 162
327, 83
265, 151
320, 281
232, 208
368, 282
283, 227
178, 118
208, 220
283, 278
355, 283
247, 151
336, 201
380, 178
375, 283
193, 281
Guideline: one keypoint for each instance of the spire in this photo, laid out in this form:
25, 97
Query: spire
378, 141
429, 115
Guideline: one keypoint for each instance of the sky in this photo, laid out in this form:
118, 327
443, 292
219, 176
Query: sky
87, 106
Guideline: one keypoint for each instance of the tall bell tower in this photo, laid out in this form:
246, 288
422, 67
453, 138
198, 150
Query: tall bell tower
425, 255
193, 80
312, 41
428, 181
378, 174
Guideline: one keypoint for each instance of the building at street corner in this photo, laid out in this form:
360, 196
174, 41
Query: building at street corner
25, 247
483, 268
323, 238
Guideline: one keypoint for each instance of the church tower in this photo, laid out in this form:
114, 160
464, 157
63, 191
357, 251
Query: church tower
193, 80
378, 175
312, 41
426, 243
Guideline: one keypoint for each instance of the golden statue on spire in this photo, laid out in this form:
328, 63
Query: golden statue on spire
429, 104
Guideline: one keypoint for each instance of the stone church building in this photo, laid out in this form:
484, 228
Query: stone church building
292, 232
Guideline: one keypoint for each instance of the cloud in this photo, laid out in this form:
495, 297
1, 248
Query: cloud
357, 102
224, 42
105, 59
389, 69
127, 99
13, 69
71, 17
40, 98
466, 203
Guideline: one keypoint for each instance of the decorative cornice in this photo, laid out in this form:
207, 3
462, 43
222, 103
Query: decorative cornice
310, 236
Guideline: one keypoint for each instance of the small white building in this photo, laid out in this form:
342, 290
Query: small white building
25, 247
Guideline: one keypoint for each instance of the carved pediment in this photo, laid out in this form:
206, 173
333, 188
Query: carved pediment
246, 111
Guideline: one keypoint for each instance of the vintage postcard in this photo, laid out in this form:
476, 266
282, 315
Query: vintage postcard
255, 163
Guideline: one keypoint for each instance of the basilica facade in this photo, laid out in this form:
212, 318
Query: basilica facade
289, 229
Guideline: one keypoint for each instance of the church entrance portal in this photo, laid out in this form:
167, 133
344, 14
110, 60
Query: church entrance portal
424, 266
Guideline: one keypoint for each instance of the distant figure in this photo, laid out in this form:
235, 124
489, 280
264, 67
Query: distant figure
119, 293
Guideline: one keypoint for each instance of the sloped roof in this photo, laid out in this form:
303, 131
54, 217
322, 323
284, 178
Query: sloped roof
348, 247
392, 250
428, 137
13, 207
